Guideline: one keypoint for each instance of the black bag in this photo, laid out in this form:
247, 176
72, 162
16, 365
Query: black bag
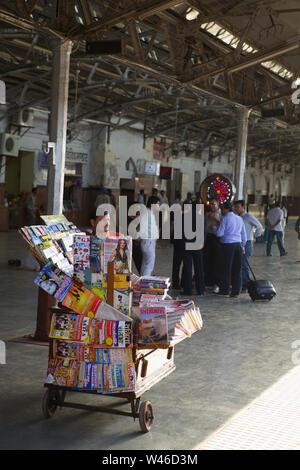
260, 290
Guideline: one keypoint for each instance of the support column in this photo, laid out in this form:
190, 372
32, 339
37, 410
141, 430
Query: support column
55, 183
240, 162
58, 124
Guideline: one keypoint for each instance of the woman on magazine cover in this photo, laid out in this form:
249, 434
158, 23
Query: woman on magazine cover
120, 257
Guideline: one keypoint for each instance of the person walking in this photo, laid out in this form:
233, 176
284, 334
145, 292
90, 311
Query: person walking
211, 253
251, 223
274, 220
149, 233
232, 234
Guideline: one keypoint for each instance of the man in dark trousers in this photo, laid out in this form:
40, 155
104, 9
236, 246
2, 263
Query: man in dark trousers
190, 258
233, 238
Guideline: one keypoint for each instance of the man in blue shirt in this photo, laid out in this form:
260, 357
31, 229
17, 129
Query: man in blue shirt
251, 223
233, 238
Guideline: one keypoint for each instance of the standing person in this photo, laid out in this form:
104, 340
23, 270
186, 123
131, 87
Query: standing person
141, 197
190, 258
188, 199
285, 217
274, 221
163, 198
233, 239
102, 198
149, 234
178, 247
251, 223
137, 254
30, 207
178, 199
212, 247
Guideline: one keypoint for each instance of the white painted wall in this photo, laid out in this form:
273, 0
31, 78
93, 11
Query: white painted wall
107, 161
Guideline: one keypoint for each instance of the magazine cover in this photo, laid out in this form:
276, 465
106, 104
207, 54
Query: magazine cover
123, 300
82, 301
71, 327
95, 254
81, 252
119, 251
54, 281
115, 334
63, 372
153, 328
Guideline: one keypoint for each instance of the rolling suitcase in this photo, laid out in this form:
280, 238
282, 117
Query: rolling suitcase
259, 289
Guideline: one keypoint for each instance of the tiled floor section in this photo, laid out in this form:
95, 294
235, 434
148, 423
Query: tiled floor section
271, 422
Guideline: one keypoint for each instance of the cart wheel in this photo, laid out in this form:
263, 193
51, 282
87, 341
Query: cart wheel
146, 416
50, 401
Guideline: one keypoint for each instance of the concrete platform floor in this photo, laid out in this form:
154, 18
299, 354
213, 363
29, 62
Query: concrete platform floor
243, 349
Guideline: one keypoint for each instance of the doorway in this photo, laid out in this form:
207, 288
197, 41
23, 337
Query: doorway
19, 173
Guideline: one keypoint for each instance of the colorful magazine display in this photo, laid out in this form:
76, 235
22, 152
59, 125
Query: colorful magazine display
103, 333
91, 342
86, 353
92, 376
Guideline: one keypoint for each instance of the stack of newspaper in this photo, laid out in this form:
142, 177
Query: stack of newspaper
164, 322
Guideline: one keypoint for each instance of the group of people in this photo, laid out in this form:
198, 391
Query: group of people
222, 265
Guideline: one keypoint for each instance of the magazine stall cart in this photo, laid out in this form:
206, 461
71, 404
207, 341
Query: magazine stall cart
152, 364
151, 361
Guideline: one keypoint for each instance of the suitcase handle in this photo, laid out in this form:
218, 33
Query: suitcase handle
250, 268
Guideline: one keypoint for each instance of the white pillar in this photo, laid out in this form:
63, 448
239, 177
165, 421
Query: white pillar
58, 125
240, 162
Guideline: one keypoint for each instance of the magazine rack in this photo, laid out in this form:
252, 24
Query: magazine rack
152, 364
128, 380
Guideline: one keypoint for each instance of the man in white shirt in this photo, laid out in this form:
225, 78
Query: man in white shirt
274, 220
251, 223
149, 233
163, 198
